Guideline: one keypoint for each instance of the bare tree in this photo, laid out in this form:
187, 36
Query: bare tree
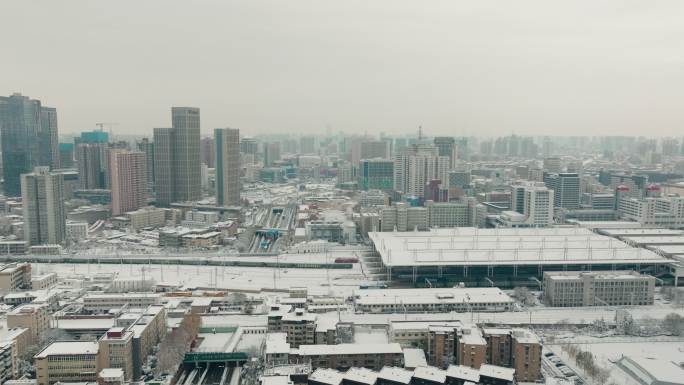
524, 295
173, 348
673, 324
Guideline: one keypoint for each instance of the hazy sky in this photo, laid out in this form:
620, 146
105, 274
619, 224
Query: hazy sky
455, 67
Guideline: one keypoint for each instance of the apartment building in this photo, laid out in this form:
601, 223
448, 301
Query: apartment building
275, 317
15, 276
498, 346
116, 351
8, 361
616, 288
276, 349
415, 333
300, 328
441, 345
526, 355
471, 347
34, 317
67, 361
20, 337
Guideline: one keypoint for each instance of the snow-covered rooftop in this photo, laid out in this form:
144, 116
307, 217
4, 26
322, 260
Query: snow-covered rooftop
326, 376
430, 373
655, 240
414, 358
464, 373
499, 372
639, 232
361, 375
516, 246
395, 374
276, 343
68, 348
429, 296
340, 349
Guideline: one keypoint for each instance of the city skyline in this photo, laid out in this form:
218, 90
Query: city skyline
456, 68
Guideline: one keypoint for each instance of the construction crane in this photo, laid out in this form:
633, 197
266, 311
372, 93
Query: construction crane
109, 126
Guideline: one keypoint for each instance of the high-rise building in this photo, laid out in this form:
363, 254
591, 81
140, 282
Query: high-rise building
446, 146
566, 188
208, 151
186, 156
416, 165
93, 167
307, 145
376, 174
49, 138
374, 149
531, 206
128, 172
271, 153
163, 165
227, 166
20, 128
66, 155
177, 168
552, 165
148, 148
248, 146
43, 206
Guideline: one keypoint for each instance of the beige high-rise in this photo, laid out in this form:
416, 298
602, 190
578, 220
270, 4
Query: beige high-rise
129, 180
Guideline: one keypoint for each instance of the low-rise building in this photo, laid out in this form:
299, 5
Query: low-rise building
33, 317
15, 276
44, 281
111, 376
415, 333
67, 361
276, 349
614, 288
300, 328
116, 351
432, 300
146, 217
345, 356
76, 231
103, 302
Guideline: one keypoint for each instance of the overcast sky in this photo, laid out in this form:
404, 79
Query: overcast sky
455, 67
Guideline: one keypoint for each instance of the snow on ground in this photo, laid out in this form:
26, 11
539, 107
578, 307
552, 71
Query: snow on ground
341, 281
607, 351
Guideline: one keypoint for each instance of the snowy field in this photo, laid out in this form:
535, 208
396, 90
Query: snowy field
607, 351
319, 281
